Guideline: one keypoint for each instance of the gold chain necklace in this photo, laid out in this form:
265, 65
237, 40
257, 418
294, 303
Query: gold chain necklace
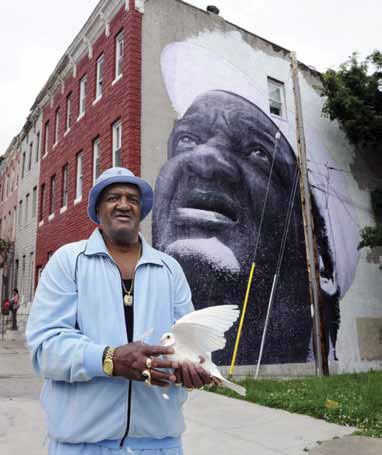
128, 299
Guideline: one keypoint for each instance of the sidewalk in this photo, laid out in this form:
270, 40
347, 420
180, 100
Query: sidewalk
215, 424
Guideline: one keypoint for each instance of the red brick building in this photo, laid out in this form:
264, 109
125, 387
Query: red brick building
91, 121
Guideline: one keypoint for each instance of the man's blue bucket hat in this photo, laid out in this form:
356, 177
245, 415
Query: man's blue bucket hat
119, 175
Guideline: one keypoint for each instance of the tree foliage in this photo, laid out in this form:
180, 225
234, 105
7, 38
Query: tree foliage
354, 98
5, 248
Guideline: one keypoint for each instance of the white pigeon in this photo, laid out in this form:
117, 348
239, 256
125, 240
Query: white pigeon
198, 334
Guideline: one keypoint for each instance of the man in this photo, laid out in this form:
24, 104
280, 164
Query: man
208, 213
97, 300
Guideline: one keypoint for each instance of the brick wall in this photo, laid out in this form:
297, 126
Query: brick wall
121, 100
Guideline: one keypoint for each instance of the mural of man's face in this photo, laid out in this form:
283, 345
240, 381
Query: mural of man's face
213, 187
209, 201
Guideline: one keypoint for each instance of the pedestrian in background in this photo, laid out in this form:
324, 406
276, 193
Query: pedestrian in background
14, 306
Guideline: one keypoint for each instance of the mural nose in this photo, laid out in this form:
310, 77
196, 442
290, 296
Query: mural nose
208, 162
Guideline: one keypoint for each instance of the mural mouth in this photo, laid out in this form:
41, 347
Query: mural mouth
209, 205
199, 215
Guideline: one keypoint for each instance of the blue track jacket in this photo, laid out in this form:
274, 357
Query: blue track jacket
78, 311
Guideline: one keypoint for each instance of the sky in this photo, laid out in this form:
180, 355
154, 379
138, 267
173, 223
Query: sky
35, 34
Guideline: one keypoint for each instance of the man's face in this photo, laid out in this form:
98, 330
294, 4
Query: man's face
119, 212
213, 187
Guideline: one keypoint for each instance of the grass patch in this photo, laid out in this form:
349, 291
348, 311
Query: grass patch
348, 399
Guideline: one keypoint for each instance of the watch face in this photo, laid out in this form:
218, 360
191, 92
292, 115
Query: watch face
108, 367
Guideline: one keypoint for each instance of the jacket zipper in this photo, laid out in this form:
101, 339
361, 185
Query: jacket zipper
128, 415
130, 382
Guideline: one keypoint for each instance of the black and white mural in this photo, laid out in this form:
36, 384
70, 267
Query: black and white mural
221, 203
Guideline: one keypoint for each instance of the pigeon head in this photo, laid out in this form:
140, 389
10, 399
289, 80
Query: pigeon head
167, 339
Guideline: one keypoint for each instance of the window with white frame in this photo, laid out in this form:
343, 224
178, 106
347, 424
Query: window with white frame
79, 177
37, 146
57, 126
117, 143
65, 175
83, 89
30, 156
34, 201
52, 195
68, 122
20, 212
276, 98
96, 158
118, 55
46, 144
26, 209
22, 170
42, 202
99, 81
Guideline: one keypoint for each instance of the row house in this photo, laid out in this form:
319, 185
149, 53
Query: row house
170, 90
9, 185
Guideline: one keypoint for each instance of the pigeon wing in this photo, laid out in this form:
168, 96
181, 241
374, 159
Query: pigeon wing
203, 331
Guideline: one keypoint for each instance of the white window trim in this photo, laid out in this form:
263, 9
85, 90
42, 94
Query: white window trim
79, 196
41, 223
96, 100
115, 125
116, 75
78, 200
83, 96
97, 141
51, 216
99, 60
66, 132
281, 86
117, 79
63, 209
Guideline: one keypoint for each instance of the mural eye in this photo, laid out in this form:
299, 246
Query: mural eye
258, 153
186, 142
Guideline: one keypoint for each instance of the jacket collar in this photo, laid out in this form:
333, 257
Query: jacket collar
96, 245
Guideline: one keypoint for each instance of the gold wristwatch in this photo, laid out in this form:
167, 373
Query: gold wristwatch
108, 365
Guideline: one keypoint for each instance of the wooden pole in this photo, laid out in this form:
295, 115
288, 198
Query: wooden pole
310, 240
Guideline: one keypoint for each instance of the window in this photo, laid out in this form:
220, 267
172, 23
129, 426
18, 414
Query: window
96, 158
117, 143
22, 276
57, 126
26, 209
14, 222
30, 156
37, 146
42, 202
99, 80
46, 138
52, 194
68, 112
83, 85
31, 276
22, 170
276, 98
64, 200
16, 273
34, 201
79, 177
118, 55
20, 212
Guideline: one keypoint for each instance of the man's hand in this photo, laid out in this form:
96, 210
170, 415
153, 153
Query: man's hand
194, 376
130, 360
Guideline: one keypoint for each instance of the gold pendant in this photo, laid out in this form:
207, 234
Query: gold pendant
128, 300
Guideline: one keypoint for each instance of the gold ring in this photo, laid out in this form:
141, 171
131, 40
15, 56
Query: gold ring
149, 362
147, 375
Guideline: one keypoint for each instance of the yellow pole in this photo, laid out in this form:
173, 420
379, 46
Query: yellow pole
241, 320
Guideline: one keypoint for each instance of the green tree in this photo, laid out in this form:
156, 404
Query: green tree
354, 98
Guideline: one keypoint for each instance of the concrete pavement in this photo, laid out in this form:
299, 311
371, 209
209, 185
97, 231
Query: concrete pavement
215, 424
